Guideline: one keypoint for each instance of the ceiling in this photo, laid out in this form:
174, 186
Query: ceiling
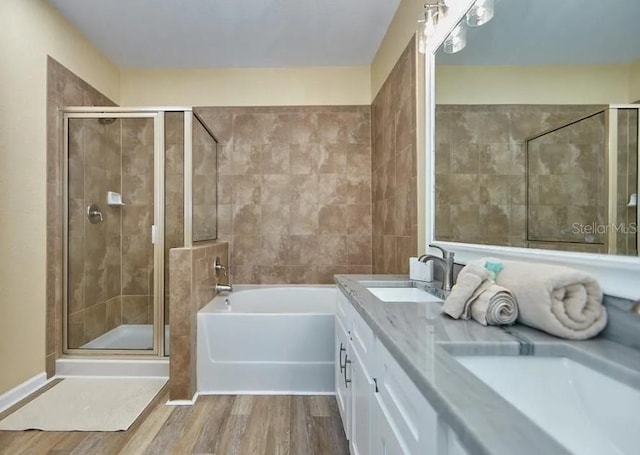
232, 33
553, 32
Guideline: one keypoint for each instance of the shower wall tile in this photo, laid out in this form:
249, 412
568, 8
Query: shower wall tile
63, 89
137, 309
294, 183
193, 284
95, 321
204, 183
136, 254
393, 176
114, 312
174, 195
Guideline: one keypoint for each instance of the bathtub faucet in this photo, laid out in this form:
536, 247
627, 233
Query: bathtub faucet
218, 268
223, 287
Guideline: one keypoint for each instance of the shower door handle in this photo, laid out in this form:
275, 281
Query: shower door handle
94, 214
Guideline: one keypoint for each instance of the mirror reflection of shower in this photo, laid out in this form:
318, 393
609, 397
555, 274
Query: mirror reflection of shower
581, 180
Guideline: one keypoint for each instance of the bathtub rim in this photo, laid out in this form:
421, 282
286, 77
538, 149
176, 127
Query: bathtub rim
252, 287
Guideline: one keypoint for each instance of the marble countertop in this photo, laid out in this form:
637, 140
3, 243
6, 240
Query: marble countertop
422, 341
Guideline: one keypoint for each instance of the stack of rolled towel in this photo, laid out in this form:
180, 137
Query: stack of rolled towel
561, 301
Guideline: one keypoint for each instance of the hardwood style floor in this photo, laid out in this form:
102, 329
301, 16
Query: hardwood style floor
224, 425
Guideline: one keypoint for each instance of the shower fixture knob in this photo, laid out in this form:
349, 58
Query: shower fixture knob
94, 214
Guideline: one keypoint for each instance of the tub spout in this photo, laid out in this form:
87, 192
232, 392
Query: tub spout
223, 288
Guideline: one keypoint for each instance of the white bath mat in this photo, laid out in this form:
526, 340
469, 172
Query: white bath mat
86, 404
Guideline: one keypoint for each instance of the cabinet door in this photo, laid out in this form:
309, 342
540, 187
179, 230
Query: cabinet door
408, 411
385, 439
362, 388
343, 392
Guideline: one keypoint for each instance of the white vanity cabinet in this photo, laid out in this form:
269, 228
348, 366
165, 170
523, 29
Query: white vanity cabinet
383, 412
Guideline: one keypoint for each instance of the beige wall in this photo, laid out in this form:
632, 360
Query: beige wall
29, 30
247, 86
400, 31
579, 84
634, 82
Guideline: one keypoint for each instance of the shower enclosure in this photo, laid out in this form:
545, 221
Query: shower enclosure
128, 199
582, 184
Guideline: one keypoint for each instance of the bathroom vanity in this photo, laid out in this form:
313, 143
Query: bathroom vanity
411, 381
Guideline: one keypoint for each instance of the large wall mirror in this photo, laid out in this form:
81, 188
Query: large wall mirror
536, 130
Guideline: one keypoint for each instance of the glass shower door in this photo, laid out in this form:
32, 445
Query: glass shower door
114, 249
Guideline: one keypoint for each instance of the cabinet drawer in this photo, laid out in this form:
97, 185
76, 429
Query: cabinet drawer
408, 411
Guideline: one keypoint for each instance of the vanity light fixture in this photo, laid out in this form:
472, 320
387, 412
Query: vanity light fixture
480, 13
432, 13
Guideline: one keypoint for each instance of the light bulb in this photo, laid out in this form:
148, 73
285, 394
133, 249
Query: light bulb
457, 40
480, 13
427, 28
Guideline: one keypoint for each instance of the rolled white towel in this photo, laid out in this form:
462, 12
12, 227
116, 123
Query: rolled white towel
561, 301
495, 305
469, 280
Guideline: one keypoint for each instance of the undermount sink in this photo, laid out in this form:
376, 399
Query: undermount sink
403, 294
583, 409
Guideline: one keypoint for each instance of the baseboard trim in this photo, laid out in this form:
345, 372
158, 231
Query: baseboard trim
21, 391
190, 402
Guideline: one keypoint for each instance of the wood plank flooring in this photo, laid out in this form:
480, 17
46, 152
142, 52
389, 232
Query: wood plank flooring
222, 425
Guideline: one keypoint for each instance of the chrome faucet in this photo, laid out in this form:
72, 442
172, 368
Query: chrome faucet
219, 268
446, 262
223, 288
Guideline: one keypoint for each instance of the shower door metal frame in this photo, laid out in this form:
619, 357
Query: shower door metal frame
157, 114
612, 173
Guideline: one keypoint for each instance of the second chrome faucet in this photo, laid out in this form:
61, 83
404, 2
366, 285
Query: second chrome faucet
446, 263
218, 268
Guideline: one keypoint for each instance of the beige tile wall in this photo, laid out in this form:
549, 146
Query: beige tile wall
63, 89
294, 191
480, 168
111, 263
137, 218
205, 184
193, 286
394, 168
95, 301
174, 195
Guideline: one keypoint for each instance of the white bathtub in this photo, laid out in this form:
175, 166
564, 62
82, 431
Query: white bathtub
267, 340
